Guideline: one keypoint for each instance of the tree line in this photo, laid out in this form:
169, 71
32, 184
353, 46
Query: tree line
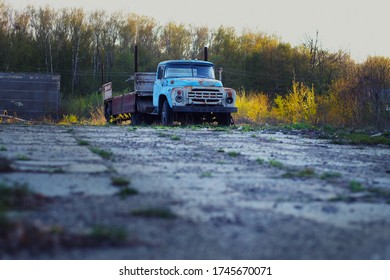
87, 49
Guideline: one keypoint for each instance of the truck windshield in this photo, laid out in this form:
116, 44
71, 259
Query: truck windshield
189, 70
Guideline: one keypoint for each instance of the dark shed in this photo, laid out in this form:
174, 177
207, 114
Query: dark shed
30, 96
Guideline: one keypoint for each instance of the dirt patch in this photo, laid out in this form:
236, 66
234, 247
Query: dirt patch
196, 193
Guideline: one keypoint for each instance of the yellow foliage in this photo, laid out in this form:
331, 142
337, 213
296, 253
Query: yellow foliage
340, 106
253, 107
68, 119
97, 116
299, 106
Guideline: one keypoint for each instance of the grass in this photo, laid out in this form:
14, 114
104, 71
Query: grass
120, 181
83, 143
299, 126
160, 213
260, 161
162, 135
23, 158
355, 186
102, 153
13, 197
233, 154
330, 175
304, 173
175, 138
206, 175
126, 191
275, 163
359, 138
2, 148
220, 150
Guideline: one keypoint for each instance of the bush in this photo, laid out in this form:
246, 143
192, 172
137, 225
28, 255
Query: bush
299, 106
252, 107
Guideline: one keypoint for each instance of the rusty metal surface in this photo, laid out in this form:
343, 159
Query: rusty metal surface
123, 104
30, 96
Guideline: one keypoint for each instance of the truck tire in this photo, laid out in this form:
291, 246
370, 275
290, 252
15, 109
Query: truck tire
224, 119
108, 111
166, 114
136, 119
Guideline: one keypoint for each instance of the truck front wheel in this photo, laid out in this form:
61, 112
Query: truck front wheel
166, 114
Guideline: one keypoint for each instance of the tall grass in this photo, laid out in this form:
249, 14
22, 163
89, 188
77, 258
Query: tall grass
86, 109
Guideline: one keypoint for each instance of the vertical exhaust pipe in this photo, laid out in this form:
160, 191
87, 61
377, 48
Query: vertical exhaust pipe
135, 59
206, 54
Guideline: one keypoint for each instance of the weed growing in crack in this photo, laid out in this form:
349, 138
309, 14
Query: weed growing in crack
260, 161
162, 135
83, 143
126, 191
206, 175
120, 181
330, 175
102, 153
355, 187
23, 158
175, 138
304, 173
233, 154
275, 163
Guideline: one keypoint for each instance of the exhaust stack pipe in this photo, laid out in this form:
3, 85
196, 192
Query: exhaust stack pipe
206, 54
135, 59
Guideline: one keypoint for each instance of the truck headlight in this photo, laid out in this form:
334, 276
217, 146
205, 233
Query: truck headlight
230, 95
179, 95
179, 98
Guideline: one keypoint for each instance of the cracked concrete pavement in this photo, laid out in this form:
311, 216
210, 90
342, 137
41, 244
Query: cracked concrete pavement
234, 194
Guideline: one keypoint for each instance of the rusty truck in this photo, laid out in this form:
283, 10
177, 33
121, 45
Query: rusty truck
184, 91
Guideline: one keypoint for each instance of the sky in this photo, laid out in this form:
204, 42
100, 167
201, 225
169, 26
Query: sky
360, 27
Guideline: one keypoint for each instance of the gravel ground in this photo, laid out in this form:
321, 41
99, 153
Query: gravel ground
193, 193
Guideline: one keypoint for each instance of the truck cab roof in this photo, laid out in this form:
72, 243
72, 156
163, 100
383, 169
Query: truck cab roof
198, 62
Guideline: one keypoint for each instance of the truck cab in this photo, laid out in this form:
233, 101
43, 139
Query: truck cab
187, 91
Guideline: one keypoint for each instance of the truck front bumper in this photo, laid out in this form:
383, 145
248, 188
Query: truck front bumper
204, 109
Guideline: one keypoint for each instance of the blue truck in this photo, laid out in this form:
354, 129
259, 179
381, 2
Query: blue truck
184, 91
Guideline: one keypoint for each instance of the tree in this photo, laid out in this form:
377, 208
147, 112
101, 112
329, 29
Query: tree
374, 79
175, 41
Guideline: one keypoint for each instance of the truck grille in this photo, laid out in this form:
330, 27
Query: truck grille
205, 96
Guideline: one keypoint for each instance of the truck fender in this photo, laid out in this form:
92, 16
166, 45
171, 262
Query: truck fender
161, 100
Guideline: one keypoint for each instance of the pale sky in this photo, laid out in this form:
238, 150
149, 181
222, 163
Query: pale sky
361, 28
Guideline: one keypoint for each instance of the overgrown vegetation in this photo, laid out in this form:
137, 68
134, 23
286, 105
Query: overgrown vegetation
14, 197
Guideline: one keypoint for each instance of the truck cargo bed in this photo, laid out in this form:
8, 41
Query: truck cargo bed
123, 104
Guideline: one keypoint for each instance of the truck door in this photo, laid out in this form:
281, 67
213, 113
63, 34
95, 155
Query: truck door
158, 85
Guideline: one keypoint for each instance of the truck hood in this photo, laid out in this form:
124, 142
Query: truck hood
194, 82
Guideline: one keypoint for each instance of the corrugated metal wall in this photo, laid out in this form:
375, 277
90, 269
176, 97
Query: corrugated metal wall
30, 96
